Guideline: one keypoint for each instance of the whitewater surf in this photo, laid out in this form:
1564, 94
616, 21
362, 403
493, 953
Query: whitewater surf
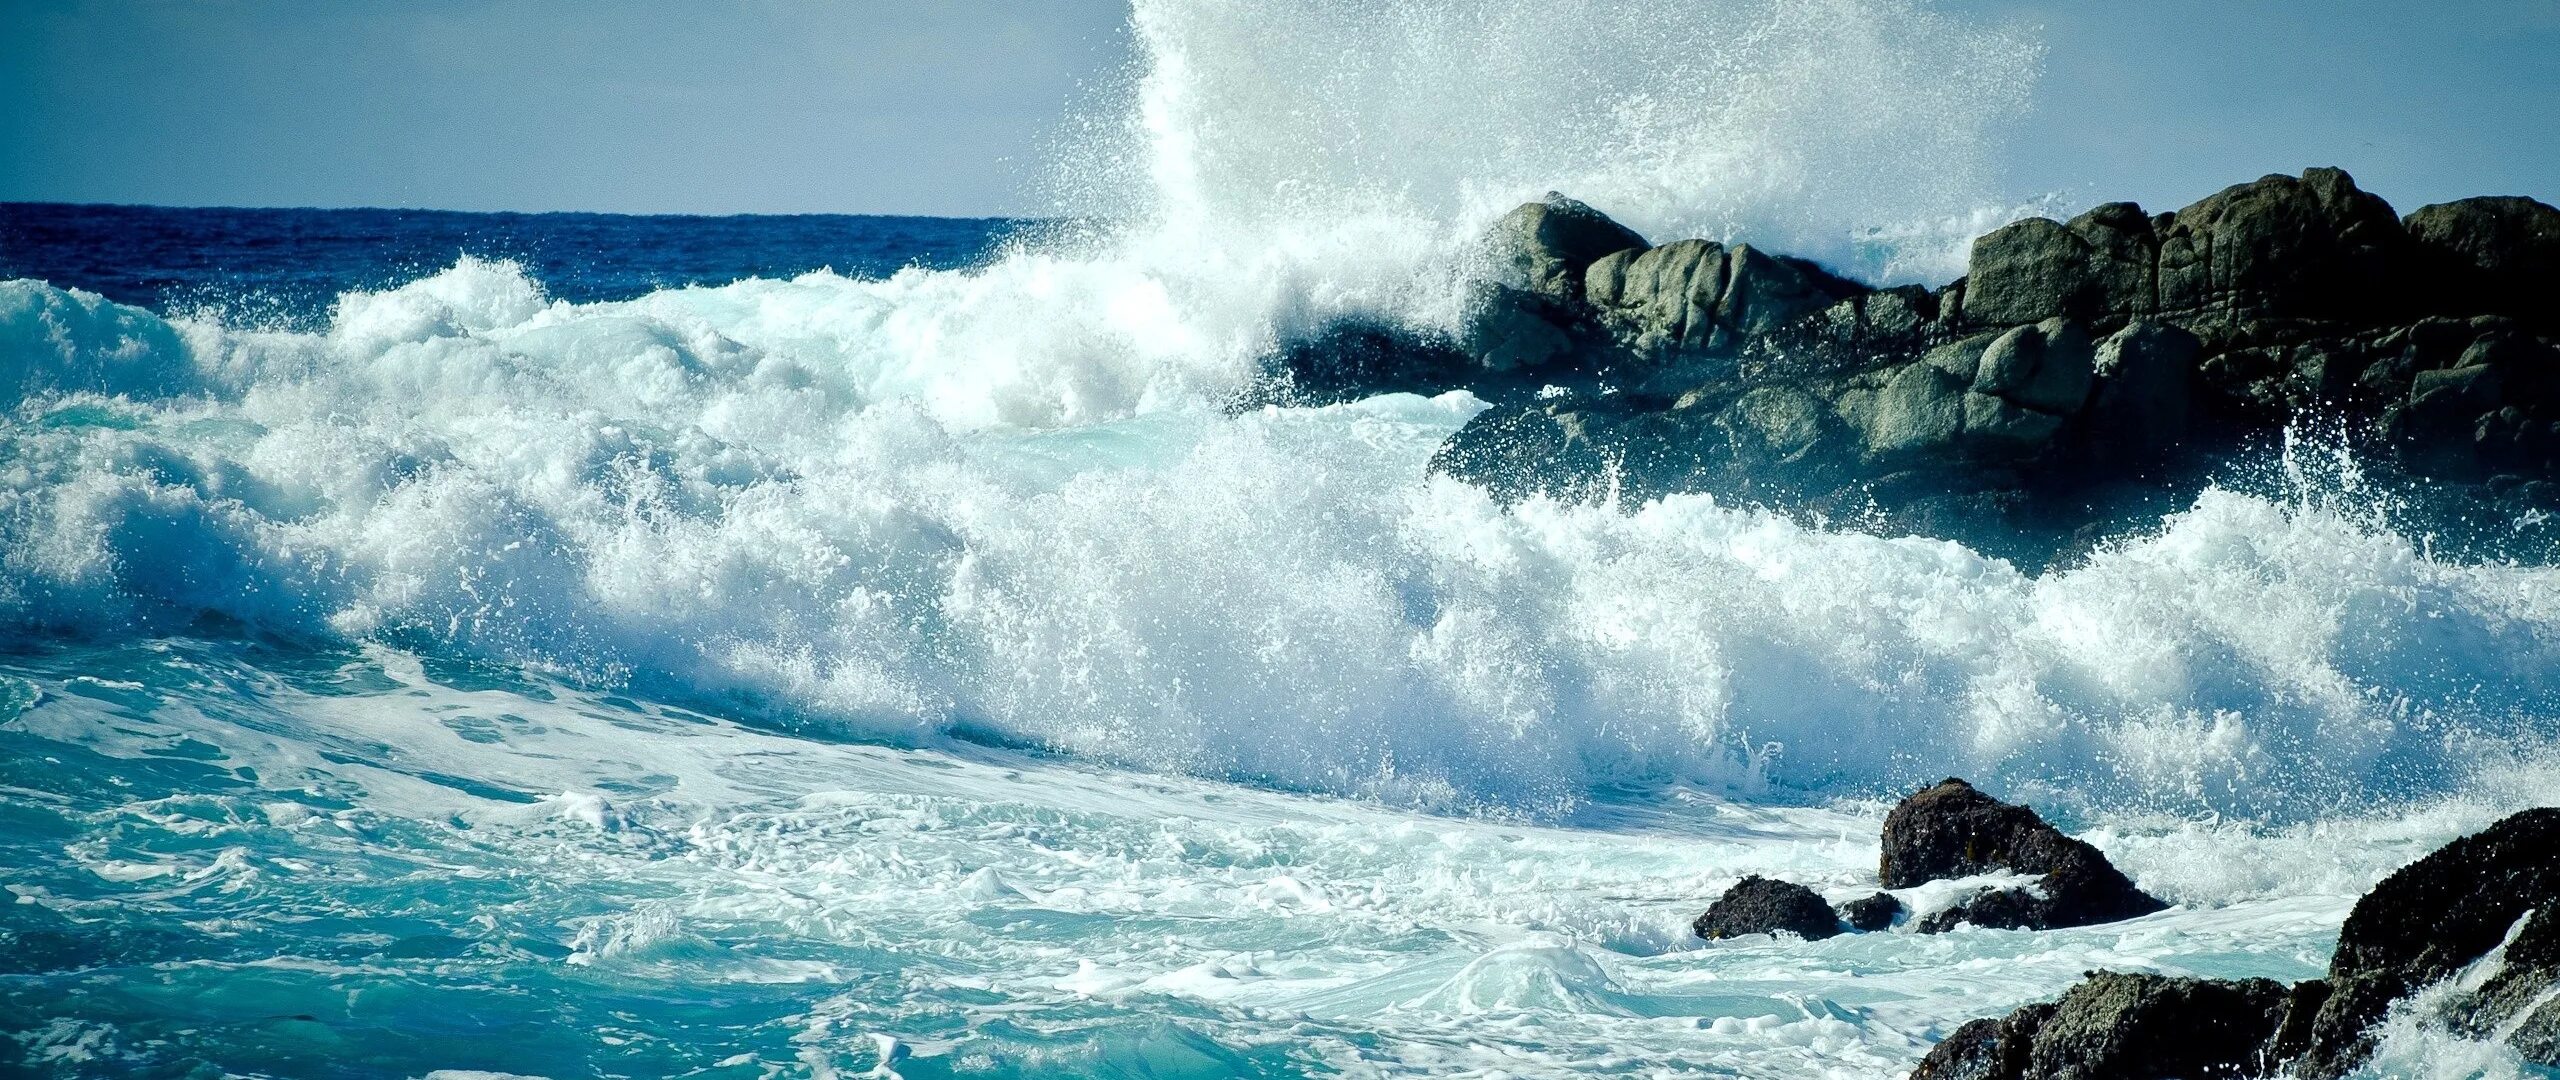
932, 672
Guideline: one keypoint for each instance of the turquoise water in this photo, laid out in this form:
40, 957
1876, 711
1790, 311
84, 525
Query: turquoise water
294, 862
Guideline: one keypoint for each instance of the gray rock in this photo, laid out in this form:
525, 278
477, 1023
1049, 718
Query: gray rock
2102, 263
2047, 367
1545, 246
2144, 376
1918, 410
2308, 247
1510, 329
2496, 254
1699, 297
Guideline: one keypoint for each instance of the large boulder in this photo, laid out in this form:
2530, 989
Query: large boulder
1545, 246
2102, 263
1952, 830
2114, 1026
1758, 905
2494, 254
2308, 247
2439, 915
1701, 298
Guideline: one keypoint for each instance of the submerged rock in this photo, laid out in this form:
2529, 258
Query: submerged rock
1759, 905
1868, 914
1952, 830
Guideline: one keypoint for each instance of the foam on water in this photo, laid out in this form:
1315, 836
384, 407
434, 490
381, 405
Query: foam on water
357, 858
757, 496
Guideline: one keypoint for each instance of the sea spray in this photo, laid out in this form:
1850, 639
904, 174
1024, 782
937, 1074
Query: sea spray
723, 496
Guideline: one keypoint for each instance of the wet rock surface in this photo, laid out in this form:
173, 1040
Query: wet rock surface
1759, 905
1868, 914
2121, 1027
2484, 909
1952, 830
2083, 372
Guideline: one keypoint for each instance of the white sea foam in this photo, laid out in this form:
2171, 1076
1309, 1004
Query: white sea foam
736, 495
1002, 503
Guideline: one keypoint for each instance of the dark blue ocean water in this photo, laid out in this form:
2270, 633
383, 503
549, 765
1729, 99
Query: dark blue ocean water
289, 265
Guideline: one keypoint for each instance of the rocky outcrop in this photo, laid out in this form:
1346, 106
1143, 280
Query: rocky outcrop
2082, 372
2484, 909
1759, 905
2308, 247
1952, 830
2435, 917
2121, 1027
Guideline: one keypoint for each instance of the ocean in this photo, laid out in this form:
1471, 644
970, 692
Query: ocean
583, 645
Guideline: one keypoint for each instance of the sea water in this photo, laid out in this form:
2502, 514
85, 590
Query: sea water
574, 646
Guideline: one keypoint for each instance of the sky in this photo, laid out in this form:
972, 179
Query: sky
949, 106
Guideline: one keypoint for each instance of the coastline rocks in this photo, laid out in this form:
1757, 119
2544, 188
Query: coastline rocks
2435, 917
2116, 1026
1759, 905
2483, 910
1952, 830
2504, 250
2083, 374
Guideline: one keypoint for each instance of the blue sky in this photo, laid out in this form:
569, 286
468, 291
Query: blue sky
945, 106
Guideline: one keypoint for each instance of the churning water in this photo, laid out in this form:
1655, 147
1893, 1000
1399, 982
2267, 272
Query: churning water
540, 663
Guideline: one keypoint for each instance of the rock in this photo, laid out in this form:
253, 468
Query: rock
1918, 410
1514, 330
1994, 1049
2047, 367
2485, 908
1357, 359
1694, 298
1868, 914
2144, 375
2312, 247
2114, 1026
2437, 916
1530, 448
1759, 905
2100, 264
2491, 254
1954, 831
1545, 246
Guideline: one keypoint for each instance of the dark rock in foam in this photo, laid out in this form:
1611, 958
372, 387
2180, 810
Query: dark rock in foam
1952, 830
2485, 908
1758, 905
